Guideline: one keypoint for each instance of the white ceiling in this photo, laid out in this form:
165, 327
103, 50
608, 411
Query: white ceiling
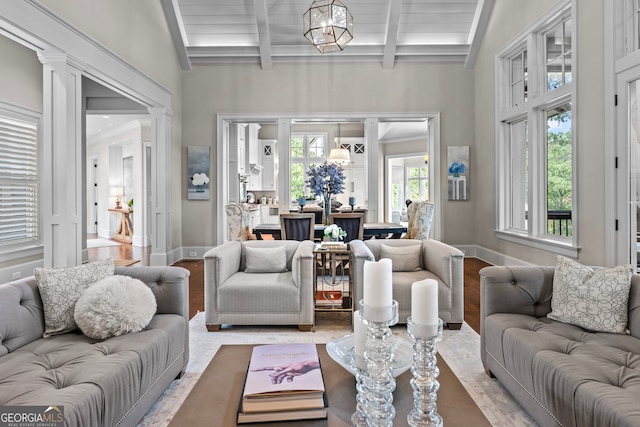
267, 31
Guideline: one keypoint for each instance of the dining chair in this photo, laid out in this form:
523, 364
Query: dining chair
297, 226
352, 223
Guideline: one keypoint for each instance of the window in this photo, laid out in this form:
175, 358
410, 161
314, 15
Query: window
418, 182
18, 180
306, 150
535, 139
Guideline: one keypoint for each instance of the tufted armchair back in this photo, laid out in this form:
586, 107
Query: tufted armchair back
21, 314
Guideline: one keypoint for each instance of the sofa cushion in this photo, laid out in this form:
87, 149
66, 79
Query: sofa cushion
596, 300
60, 289
114, 306
96, 381
266, 260
259, 293
581, 377
403, 258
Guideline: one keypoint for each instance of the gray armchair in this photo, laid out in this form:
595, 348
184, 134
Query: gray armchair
437, 261
242, 287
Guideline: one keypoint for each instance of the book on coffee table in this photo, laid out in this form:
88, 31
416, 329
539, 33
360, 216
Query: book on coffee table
283, 382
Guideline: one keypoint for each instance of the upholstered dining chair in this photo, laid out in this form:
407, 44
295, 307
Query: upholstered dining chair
420, 218
297, 226
352, 223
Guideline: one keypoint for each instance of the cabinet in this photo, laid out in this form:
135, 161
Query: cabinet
253, 146
355, 172
242, 148
269, 164
254, 218
269, 214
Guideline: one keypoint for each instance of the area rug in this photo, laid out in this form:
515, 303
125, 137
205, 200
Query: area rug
124, 262
100, 242
460, 349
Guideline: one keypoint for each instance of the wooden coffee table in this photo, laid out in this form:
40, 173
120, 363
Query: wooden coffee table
215, 397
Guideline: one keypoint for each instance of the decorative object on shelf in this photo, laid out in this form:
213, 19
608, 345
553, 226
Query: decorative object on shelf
118, 193
425, 329
458, 177
328, 25
325, 180
130, 204
380, 312
333, 233
198, 170
302, 202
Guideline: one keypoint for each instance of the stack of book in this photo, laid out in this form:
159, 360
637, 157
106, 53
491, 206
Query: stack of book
283, 382
333, 246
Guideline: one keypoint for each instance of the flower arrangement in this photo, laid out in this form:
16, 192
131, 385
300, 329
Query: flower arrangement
333, 232
456, 168
325, 180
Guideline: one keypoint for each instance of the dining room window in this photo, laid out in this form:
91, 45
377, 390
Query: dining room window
307, 149
417, 182
535, 144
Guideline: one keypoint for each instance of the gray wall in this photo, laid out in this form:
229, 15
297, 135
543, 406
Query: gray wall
326, 88
509, 18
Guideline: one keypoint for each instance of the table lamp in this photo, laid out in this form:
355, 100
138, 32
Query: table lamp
117, 192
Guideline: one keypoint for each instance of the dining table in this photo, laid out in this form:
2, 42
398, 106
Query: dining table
379, 230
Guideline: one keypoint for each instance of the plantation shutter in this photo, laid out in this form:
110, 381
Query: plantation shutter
18, 181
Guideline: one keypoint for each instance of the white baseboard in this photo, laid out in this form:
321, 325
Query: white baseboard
490, 256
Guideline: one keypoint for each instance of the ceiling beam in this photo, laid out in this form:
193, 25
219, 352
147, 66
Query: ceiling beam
264, 38
391, 36
478, 30
176, 29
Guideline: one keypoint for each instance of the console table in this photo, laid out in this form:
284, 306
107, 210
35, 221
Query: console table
124, 233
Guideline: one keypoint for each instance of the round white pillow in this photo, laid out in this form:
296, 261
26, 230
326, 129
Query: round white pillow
114, 306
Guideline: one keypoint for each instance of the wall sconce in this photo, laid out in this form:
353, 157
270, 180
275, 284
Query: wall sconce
426, 159
118, 193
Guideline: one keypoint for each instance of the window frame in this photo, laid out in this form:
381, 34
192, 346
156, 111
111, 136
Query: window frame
306, 160
539, 100
420, 178
15, 250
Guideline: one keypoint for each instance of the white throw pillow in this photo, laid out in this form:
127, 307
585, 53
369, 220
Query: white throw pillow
114, 306
61, 287
594, 299
265, 260
403, 258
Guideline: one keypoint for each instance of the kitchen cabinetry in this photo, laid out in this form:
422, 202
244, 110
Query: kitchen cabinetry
269, 214
254, 218
242, 158
269, 165
254, 159
355, 172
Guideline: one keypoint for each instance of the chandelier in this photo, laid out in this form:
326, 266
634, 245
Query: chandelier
328, 25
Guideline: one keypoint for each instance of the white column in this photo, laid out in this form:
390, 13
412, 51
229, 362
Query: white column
161, 185
284, 164
61, 201
375, 172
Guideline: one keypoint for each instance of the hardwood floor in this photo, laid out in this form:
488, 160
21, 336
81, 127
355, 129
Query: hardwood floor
125, 251
471, 288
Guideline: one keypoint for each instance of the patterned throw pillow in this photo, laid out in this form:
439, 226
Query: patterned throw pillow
597, 300
60, 289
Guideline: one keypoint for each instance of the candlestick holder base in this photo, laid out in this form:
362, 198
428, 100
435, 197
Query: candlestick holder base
359, 366
379, 382
425, 372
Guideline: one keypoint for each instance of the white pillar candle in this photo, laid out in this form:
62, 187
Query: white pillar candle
424, 302
377, 283
359, 334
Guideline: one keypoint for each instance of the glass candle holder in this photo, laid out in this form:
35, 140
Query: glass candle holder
425, 372
379, 382
359, 366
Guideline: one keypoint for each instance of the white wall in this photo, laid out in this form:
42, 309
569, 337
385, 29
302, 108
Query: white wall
299, 88
21, 76
508, 19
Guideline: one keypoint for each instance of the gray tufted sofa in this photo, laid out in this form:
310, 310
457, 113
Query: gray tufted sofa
100, 383
560, 373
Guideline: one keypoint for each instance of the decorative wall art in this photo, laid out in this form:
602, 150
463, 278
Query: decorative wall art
198, 173
458, 172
